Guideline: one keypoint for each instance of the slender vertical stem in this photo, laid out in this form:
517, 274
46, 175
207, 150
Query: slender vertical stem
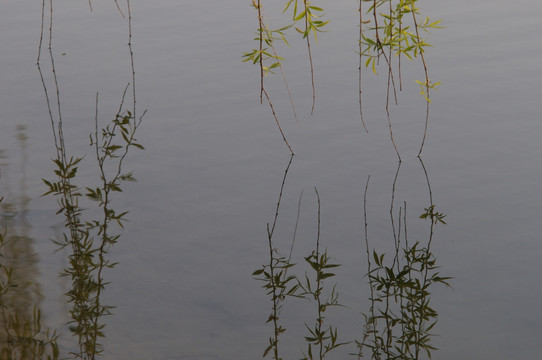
119, 9
277, 120
295, 228
131, 59
395, 237
360, 63
318, 282
400, 19
260, 30
41, 30
272, 265
372, 320
390, 77
276, 56
427, 86
307, 32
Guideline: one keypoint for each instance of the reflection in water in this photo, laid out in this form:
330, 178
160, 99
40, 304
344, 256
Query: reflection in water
22, 335
321, 337
277, 283
400, 320
89, 237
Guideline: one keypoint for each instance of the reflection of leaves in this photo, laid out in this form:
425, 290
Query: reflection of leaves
401, 318
323, 336
90, 240
435, 216
277, 284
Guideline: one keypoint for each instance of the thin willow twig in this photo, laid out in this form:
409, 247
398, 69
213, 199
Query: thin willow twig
276, 56
41, 30
390, 76
131, 58
277, 121
260, 30
310, 56
295, 228
416, 27
360, 63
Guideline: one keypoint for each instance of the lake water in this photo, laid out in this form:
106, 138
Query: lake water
209, 179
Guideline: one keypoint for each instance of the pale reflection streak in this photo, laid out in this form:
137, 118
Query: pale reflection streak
22, 333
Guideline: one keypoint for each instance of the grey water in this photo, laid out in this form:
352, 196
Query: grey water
208, 181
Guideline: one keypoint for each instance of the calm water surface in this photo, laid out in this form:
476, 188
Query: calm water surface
210, 177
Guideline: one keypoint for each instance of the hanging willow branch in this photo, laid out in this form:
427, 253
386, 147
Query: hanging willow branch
390, 34
268, 59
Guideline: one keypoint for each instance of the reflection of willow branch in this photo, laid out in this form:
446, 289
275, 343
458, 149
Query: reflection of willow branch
275, 277
322, 336
296, 223
81, 265
434, 218
277, 121
270, 233
88, 259
369, 322
428, 183
396, 237
400, 318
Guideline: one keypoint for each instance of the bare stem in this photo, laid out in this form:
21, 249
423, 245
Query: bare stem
283, 76
426, 81
360, 62
277, 120
260, 29
310, 56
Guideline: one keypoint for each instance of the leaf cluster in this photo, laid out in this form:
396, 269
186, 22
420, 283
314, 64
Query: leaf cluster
390, 29
400, 322
267, 56
278, 285
433, 215
323, 338
310, 15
